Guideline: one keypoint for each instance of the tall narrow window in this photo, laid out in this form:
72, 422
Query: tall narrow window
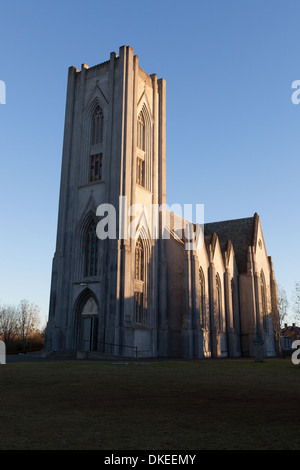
233, 301
96, 146
139, 260
138, 307
141, 132
97, 126
202, 296
140, 176
218, 300
91, 251
96, 167
263, 299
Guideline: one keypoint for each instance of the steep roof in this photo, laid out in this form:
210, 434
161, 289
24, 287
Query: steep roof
291, 331
241, 234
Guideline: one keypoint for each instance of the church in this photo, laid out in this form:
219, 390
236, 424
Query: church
145, 296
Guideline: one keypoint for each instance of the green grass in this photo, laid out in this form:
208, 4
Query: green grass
175, 405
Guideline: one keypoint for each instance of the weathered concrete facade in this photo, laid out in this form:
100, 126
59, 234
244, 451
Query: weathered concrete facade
144, 295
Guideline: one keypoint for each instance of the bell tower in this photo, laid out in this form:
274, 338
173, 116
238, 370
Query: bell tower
105, 296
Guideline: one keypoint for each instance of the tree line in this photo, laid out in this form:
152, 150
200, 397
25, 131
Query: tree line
285, 303
20, 327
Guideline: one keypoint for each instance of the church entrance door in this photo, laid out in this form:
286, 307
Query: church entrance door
90, 316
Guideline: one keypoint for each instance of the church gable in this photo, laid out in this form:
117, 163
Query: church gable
261, 259
230, 259
258, 239
240, 232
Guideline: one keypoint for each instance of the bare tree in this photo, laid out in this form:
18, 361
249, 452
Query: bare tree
283, 305
296, 300
8, 323
28, 321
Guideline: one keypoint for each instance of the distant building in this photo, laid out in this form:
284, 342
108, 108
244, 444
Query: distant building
288, 335
145, 296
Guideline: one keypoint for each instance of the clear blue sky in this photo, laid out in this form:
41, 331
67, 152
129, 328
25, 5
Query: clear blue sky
233, 134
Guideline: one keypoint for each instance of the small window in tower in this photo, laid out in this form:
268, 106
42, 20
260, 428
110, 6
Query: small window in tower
96, 167
139, 260
97, 126
141, 132
140, 177
91, 251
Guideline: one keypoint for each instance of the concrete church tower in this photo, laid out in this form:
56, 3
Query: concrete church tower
103, 297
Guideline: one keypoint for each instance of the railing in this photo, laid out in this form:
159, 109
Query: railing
135, 348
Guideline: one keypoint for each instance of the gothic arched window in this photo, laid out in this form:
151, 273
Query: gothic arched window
141, 132
96, 155
139, 260
263, 292
218, 300
202, 296
97, 126
140, 166
91, 251
233, 301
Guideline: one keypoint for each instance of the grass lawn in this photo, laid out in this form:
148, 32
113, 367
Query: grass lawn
173, 405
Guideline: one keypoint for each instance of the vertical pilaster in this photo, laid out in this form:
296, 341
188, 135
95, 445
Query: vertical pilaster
134, 127
275, 307
229, 313
188, 292
110, 284
67, 147
253, 312
161, 192
162, 140
212, 308
198, 345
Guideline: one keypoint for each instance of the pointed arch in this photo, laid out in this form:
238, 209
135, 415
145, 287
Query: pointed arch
86, 308
139, 260
93, 139
83, 298
142, 273
142, 243
145, 146
142, 233
141, 132
87, 245
94, 112
91, 250
97, 126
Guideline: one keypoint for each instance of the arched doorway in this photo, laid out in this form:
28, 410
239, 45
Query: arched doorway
89, 325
